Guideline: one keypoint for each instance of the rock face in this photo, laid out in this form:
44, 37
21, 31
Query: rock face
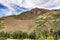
26, 21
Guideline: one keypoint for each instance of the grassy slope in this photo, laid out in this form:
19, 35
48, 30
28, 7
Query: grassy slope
26, 20
49, 20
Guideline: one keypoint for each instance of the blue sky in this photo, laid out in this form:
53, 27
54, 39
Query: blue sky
14, 7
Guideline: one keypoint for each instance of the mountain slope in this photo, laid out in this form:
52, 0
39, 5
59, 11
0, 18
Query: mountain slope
26, 21
48, 21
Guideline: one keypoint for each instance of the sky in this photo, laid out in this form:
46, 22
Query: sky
14, 7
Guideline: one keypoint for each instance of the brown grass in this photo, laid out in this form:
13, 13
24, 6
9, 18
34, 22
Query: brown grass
12, 25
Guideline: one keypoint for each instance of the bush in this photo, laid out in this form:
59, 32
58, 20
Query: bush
7, 35
32, 35
2, 38
16, 35
19, 35
24, 35
2, 34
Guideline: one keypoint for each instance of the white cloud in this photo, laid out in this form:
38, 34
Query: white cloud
47, 4
31, 3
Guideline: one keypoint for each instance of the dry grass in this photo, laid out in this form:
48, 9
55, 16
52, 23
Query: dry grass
12, 25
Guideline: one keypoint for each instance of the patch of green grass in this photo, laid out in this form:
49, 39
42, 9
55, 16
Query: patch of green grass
23, 16
1, 25
41, 38
48, 38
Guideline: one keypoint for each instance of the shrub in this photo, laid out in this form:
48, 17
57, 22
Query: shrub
16, 35
7, 35
2, 34
32, 35
2, 38
24, 35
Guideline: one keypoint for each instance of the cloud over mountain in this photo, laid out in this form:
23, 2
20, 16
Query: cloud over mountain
9, 7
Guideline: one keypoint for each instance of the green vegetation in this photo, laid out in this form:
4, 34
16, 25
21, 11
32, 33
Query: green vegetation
23, 35
1, 26
24, 16
32, 35
47, 25
1, 23
17, 35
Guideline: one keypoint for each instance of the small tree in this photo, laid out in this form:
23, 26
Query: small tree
59, 33
24, 35
45, 34
7, 34
51, 32
55, 36
2, 34
16, 35
32, 35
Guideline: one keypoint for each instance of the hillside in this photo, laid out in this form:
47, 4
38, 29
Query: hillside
48, 21
26, 21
